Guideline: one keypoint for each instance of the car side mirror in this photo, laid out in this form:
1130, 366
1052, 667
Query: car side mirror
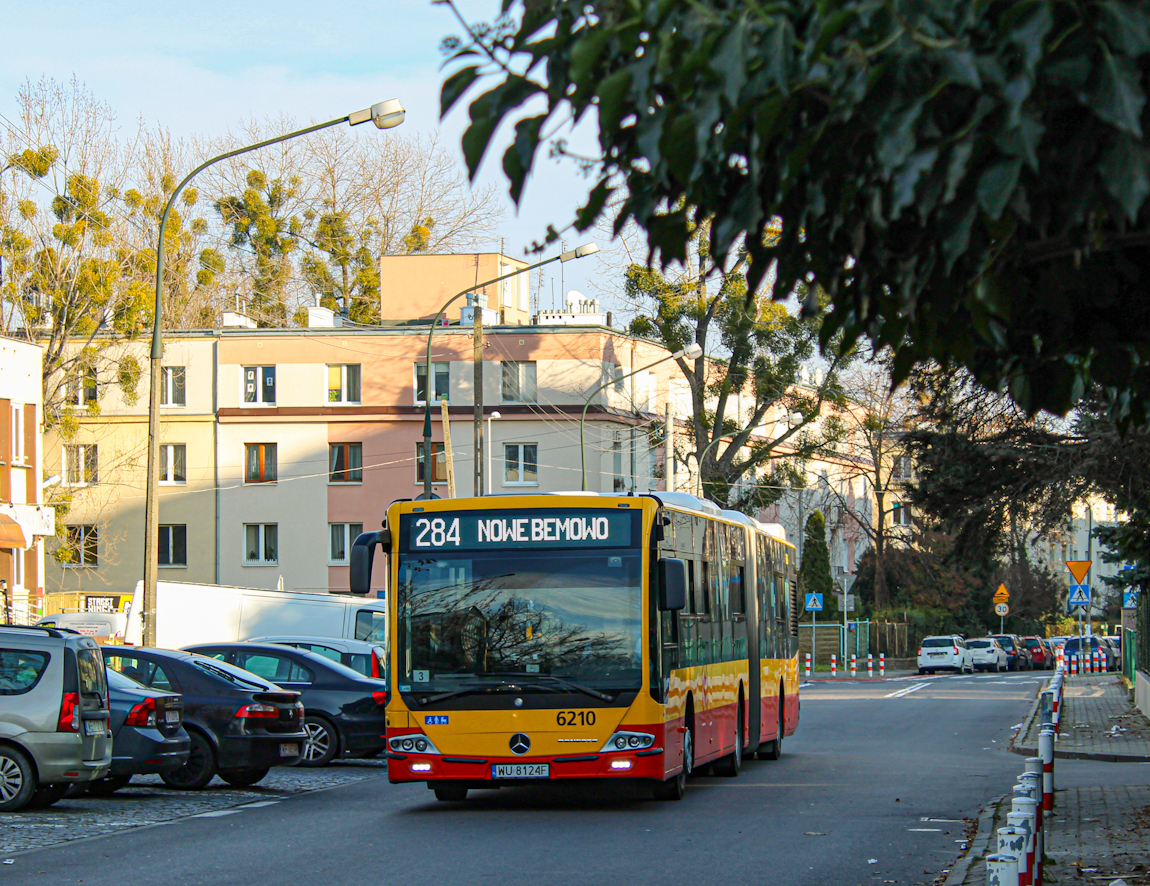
672, 584
362, 557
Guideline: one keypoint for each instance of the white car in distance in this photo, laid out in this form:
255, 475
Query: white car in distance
946, 653
988, 655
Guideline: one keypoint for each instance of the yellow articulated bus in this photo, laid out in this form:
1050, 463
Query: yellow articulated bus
580, 635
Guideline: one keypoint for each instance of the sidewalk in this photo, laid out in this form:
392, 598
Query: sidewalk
1096, 835
1098, 723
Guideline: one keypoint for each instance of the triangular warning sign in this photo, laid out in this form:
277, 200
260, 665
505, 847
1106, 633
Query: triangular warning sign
1079, 568
1002, 594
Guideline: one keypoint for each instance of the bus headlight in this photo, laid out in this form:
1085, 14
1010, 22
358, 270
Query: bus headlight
412, 744
628, 741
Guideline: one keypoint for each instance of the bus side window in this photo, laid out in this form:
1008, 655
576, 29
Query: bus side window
739, 591
706, 588
692, 606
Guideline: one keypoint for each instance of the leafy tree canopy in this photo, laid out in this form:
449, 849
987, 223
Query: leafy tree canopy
967, 181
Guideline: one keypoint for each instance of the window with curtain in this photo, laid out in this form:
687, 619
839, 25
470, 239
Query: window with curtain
261, 544
260, 463
173, 464
520, 464
172, 388
345, 462
342, 536
519, 382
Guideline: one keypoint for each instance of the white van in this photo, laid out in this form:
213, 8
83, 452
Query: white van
103, 626
189, 613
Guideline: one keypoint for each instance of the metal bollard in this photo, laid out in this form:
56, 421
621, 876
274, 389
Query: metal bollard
1023, 816
870, 664
808, 665
834, 665
1046, 706
1033, 776
854, 665
1001, 869
1046, 752
882, 664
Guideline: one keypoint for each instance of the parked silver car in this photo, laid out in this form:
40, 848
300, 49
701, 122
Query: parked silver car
53, 715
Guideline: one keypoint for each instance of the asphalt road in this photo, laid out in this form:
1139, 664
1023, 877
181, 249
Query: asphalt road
873, 788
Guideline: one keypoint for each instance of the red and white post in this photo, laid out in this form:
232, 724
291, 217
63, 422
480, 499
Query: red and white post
834, 665
854, 665
808, 665
1046, 752
882, 664
870, 664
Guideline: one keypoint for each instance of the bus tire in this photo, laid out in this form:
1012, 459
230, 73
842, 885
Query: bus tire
450, 792
730, 765
773, 750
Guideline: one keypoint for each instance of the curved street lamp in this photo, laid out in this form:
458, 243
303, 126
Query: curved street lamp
385, 115
693, 351
577, 252
793, 418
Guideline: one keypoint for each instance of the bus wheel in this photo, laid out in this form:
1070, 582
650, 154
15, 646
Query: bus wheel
450, 792
730, 765
773, 750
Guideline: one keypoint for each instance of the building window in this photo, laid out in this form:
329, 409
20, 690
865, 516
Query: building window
81, 464
520, 464
442, 373
900, 514
173, 545
260, 385
82, 546
172, 386
900, 468
439, 469
519, 382
80, 389
346, 462
17, 434
343, 383
261, 544
342, 535
618, 483
173, 464
260, 463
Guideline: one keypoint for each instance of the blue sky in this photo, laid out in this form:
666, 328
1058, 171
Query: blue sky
207, 66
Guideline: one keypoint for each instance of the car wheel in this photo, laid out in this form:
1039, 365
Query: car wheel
105, 787
921, 671
195, 774
450, 792
47, 795
17, 780
242, 778
321, 744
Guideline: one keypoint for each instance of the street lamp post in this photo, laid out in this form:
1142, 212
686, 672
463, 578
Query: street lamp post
692, 352
491, 455
577, 252
385, 115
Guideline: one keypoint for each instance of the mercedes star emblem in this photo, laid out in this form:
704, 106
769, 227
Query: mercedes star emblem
520, 744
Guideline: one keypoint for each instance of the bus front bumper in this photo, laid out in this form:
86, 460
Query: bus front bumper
615, 764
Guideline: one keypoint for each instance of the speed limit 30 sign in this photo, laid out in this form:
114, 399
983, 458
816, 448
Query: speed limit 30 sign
1001, 609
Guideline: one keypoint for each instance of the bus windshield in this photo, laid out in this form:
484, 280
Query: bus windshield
482, 619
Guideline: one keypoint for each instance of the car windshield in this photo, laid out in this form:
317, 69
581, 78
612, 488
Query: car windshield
235, 676
981, 644
934, 642
1005, 642
487, 618
118, 680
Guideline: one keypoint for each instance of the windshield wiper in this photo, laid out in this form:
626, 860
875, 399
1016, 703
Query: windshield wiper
466, 690
570, 684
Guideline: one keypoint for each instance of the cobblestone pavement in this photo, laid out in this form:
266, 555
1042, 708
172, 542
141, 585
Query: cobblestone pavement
1099, 722
1100, 834
148, 801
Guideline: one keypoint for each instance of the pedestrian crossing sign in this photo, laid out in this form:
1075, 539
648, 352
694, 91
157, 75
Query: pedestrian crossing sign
1129, 599
1079, 595
814, 602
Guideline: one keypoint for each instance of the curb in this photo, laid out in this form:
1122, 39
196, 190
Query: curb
1026, 724
1100, 757
978, 844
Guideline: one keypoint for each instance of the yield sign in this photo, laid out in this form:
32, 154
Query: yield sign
1002, 594
1079, 568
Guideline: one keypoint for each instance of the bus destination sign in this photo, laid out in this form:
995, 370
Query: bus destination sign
491, 530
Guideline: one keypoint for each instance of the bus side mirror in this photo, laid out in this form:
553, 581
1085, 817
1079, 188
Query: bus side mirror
672, 584
362, 556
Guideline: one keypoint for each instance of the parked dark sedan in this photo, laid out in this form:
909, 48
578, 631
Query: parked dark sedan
345, 713
239, 725
1017, 652
148, 735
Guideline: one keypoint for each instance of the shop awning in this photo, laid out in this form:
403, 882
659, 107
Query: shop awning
11, 533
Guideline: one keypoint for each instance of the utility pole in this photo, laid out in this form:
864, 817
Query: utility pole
669, 442
448, 455
477, 376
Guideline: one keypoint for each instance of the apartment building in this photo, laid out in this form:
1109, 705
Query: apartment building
25, 522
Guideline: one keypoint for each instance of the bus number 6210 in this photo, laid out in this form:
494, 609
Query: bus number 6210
575, 718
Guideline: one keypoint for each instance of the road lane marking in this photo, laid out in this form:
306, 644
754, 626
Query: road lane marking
217, 814
924, 830
902, 693
259, 804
